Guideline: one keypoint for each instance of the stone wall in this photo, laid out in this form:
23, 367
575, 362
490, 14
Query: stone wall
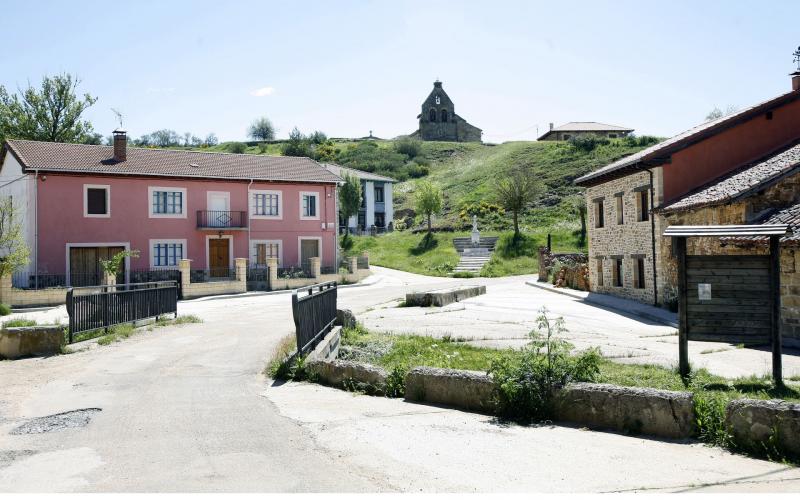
17, 342
17, 297
630, 240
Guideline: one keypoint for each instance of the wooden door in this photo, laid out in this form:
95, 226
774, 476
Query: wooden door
84, 265
728, 298
308, 249
218, 257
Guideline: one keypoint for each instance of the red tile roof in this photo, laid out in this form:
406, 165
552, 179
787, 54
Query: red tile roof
740, 183
658, 153
87, 159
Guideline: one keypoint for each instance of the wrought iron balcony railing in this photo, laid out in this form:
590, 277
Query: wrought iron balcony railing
221, 219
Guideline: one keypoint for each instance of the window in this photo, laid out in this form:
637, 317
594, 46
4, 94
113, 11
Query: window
444, 116
643, 204
265, 204
638, 275
167, 253
379, 194
167, 202
432, 115
620, 206
309, 208
567, 137
263, 250
380, 219
617, 271
612, 136
599, 216
599, 271
96, 201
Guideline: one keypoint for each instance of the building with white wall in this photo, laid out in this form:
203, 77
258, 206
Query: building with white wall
377, 208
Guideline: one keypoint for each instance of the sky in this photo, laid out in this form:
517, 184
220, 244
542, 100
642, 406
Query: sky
348, 67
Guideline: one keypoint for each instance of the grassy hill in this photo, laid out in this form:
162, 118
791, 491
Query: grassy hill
467, 171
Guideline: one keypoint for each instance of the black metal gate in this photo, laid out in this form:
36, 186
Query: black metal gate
314, 311
95, 307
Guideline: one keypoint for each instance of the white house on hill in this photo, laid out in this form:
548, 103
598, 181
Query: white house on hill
377, 209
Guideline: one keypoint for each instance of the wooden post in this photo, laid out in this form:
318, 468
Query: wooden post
775, 308
549, 243
683, 294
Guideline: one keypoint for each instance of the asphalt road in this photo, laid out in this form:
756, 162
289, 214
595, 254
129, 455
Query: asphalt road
187, 408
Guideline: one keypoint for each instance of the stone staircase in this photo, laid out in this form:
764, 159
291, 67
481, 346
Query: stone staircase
473, 257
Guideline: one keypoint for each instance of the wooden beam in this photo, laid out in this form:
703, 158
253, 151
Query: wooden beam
775, 296
683, 294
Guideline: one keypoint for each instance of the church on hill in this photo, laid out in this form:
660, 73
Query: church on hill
438, 120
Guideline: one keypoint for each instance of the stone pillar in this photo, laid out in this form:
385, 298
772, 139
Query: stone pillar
240, 263
365, 254
185, 267
316, 267
5, 290
272, 267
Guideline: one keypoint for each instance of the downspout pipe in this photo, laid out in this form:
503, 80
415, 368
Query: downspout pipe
249, 264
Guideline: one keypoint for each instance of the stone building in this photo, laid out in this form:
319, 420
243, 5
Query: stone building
583, 129
740, 169
438, 120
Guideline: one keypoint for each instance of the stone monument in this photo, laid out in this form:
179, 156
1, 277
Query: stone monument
476, 235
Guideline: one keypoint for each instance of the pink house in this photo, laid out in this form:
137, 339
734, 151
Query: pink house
81, 203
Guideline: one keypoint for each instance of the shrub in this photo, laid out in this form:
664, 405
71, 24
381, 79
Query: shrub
508, 247
236, 147
525, 384
587, 143
409, 147
5, 309
396, 383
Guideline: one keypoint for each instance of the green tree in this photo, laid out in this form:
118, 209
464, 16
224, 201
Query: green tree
51, 113
577, 204
113, 265
262, 129
13, 249
515, 192
297, 145
236, 147
349, 198
428, 201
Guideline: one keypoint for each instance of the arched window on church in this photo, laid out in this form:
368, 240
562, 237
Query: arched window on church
432, 115
444, 116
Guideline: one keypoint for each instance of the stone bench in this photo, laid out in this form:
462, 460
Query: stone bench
16, 342
445, 296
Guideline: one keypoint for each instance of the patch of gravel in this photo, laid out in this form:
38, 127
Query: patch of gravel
59, 421
8, 456
366, 353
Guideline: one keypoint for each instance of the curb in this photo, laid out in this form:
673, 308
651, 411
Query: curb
591, 300
273, 292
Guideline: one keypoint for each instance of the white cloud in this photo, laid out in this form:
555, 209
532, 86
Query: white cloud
262, 92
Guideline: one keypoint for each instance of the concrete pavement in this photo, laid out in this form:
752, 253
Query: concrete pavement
503, 317
186, 408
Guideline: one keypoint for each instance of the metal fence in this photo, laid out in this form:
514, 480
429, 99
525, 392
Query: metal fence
39, 281
291, 273
95, 307
314, 311
212, 274
150, 274
221, 218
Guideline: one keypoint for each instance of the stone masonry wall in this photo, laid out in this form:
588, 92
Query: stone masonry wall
629, 240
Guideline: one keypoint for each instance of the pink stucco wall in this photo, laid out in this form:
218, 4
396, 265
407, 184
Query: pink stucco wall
61, 220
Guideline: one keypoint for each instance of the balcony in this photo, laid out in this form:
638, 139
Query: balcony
219, 220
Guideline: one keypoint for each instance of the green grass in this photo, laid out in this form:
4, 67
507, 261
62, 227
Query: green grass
5, 309
19, 322
415, 253
117, 333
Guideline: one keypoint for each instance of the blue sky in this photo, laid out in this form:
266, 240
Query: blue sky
347, 67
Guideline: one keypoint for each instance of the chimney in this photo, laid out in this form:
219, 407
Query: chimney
796, 80
120, 145
551, 125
